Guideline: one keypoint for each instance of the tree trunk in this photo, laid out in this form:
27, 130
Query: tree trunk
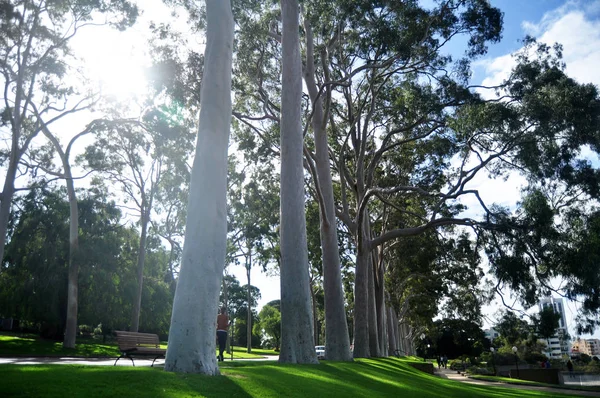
226, 304
192, 344
137, 304
337, 341
392, 342
249, 317
396, 329
73, 284
372, 308
361, 304
379, 271
8, 192
313, 300
296, 319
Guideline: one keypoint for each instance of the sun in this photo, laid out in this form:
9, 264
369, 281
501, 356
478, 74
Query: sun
114, 61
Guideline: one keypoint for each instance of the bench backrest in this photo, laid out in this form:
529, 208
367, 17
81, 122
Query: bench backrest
129, 340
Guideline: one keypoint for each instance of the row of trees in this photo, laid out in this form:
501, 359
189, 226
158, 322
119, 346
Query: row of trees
380, 151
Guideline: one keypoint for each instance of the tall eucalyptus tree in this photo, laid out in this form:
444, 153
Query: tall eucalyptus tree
42, 159
192, 333
297, 340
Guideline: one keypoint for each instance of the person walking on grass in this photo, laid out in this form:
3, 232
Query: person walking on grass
222, 326
570, 368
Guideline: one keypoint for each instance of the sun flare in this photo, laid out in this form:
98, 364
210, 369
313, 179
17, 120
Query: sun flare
115, 63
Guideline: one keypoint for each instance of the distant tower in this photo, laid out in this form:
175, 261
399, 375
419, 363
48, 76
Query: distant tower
558, 345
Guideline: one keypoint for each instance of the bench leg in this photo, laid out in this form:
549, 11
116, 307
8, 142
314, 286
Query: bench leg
155, 360
123, 356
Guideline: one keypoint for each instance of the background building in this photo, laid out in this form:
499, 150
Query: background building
491, 334
589, 347
558, 345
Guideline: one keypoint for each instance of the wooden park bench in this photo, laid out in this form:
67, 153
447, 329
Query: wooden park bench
133, 344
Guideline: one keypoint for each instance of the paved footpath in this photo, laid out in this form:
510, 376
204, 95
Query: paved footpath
103, 361
453, 375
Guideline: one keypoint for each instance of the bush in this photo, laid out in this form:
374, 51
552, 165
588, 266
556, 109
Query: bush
476, 370
85, 330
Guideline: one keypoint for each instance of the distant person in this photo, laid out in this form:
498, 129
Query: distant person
570, 368
548, 364
439, 361
445, 361
222, 326
543, 365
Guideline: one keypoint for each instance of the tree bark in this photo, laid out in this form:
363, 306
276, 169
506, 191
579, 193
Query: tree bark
361, 304
297, 337
73, 272
248, 298
372, 308
192, 343
392, 342
337, 340
8, 193
379, 271
73, 278
313, 300
226, 304
141, 260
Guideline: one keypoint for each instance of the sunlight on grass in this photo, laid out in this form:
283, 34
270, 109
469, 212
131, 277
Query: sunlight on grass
384, 377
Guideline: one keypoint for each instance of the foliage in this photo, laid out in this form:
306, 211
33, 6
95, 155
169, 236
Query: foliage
236, 296
33, 278
455, 338
546, 322
270, 323
512, 329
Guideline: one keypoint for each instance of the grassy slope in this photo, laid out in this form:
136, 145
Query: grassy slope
12, 345
508, 380
363, 378
21, 346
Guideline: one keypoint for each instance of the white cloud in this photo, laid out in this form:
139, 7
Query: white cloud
570, 25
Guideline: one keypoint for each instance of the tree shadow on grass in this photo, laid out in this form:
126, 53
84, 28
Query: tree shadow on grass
104, 381
364, 378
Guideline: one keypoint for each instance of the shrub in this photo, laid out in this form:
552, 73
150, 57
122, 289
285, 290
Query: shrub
85, 330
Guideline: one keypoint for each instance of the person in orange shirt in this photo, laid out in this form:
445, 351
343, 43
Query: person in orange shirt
222, 326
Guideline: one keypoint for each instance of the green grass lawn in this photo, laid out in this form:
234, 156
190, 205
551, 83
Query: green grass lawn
384, 377
25, 345
13, 345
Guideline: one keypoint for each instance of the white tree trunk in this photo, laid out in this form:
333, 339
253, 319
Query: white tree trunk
296, 316
361, 303
73, 278
392, 342
8, 193
192, 344
337, 340
372, 310
141, 260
